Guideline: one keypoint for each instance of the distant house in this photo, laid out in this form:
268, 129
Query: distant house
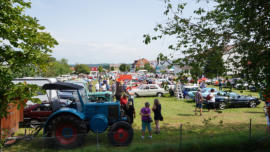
227, 55
94, 71
153, 63
72, 69
169, 67
139, 63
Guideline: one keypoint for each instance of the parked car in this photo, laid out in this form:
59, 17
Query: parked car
187, 89
148, 90
36, 114
241, 86
232, 99
100, 96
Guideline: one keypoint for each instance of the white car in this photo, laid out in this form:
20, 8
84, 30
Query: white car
148, 90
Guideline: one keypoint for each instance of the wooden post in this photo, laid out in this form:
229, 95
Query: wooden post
250, 129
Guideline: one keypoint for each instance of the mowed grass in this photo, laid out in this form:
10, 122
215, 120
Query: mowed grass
226, 127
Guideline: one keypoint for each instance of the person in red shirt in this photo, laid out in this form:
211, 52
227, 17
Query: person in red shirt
124, 100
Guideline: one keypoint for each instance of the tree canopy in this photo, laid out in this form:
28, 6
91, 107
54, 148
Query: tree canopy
124, 67
82, 68
242, 24
57, 68
23, 44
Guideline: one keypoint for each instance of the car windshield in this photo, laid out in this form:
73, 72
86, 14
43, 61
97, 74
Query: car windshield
204, 90
83, 95
141, 87
233, 95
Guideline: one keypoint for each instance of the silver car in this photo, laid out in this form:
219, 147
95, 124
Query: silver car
148, 90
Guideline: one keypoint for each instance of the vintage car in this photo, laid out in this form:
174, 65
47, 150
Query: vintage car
100, 96
36, 114
187, 89
232, 99
148, 90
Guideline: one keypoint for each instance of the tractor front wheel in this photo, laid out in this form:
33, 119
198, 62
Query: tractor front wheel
120, 134
67, 131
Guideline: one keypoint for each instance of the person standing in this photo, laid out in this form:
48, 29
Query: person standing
97, 87
124, 100
113, 88
198, 101
157, 115
203, 85
119, 91
103, 87
131, 111
220, 84
267, 111
211, 100
146, 119
90, 86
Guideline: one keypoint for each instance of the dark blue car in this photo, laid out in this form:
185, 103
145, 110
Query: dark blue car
232, 99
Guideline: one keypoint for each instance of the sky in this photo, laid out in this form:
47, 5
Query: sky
104, 31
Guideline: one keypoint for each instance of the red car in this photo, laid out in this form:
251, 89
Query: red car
38, 113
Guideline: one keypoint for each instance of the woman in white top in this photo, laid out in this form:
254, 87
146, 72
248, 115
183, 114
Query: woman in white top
97, 87
103, 87
211, 100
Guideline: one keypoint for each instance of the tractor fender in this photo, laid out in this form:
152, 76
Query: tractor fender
61, 111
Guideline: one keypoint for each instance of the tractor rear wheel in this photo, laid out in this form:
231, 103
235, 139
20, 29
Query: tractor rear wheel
120, 134
67, 131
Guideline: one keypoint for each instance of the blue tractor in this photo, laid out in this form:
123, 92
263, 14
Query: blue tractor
69, 125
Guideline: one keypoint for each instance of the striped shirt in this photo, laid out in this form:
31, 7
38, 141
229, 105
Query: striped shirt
198, 97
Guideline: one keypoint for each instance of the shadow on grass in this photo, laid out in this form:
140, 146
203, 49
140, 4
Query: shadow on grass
211, 137
255, 112
185, 114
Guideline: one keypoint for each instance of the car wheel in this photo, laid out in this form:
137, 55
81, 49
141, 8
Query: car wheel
222, 106
252, 104
120, 134
159, 94
67, 131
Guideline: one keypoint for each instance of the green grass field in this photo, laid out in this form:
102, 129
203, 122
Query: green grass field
228, 128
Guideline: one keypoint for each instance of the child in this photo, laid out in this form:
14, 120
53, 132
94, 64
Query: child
146, 120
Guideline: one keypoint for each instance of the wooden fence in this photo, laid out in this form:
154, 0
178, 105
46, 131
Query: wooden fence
10, 124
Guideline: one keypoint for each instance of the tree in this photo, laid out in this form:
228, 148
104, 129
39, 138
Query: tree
214, 65
57, 68
149, 68
112, 68
81, 68
137, 68
100, 69
23, 44
124, 67
244, 25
